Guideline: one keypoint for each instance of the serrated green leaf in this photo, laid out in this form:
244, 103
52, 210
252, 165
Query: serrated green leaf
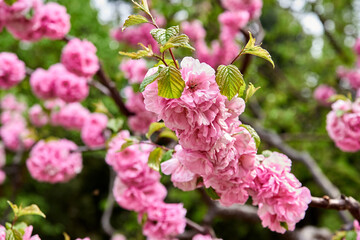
253, 133
284, 225
212, 194
154, 127
148, 80
10, 2
250, 48
167, 133
162, 35
250, 91
177, 41
146, 52
167, 155
33, 209
143, 6
8, 225
351, 235
13, 234
66, 236
230, 81
170, 83
128, 143
154, 158
115, 124
168, 62
134, 20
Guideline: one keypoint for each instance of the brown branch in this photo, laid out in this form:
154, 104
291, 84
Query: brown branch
341, 204
114, 93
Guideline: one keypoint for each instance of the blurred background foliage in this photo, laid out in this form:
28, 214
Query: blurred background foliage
304, 56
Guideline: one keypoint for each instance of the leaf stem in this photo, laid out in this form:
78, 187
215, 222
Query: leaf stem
161, 59
172, 55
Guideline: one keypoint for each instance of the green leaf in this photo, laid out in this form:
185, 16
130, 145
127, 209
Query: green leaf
115, 124
14, 207
167, 133
13, 234
351, 235
170, 83
10, 2
154, 158
143, 6
177, 41
33, 209
250, 91
20, 227
162, 35
148, 80
212, 194
266, 153
66, 236
253, 133
134, 20
168, 62
339, 235
230, 81
128, 143
167, 155
146, 52
154, 127
336, 97
284, 225
250, 48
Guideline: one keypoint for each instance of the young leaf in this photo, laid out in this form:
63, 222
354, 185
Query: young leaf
253, 133
154, 127
154, 158
163, 35
33, 209
170, 83
66, 236
14, 207
134, 20
21, 226
212, 194
230, 81
177, 41
128, 143
284, 225
167, 133
146, 52
148, 80
351, 235
10, 2
13, 234
143, 6
250, 91
250, 48
115, 124
167, 155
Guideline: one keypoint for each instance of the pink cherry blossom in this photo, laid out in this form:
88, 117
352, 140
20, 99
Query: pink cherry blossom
87, 238
71, 116
9, 102
54, 21
253, 7
164, 221
279, 194
37, 116
357, 46
194, 30
12, 70
54, 161
92, 133
323, 93
357, 229
79, 57
42, 84
343, 125
28, 232
16, 136
134, 70
202, 237
2, 233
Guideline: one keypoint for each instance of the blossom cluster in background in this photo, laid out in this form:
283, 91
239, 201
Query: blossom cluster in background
137, 188
32, 20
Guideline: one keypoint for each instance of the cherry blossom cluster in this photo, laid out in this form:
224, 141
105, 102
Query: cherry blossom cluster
323, 94
54, 161
343, 125
278, 193
14, 131
12, 70
236, 17
138, 34
68, 80
137, 188
357, 227
32, 20
26, 236
217, 151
